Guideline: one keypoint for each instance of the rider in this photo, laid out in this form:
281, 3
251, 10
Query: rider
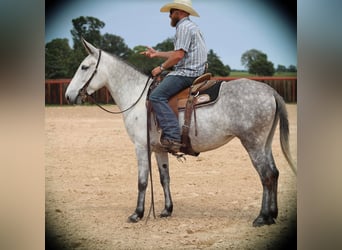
188, 58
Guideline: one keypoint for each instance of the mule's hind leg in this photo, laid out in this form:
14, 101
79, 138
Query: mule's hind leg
269, 179
163, 166
264, 164
274, 190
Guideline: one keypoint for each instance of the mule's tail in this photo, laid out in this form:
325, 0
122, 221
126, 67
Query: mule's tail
284, 131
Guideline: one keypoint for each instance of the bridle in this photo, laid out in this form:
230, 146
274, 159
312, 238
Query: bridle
83, 94
83, 91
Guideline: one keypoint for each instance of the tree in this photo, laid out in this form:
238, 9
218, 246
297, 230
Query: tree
250, 56
63, 61
89, 29
57, 59
145, 64
115, 45
216, 67
141, 62
281, 68
261, 67
256, 63
292, 68
166, 45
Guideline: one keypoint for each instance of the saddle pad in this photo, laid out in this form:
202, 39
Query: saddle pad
202, 97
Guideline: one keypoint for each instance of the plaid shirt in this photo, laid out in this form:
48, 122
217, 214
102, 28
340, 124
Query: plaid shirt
189, 38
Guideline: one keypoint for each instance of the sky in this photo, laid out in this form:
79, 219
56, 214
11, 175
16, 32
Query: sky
230, 27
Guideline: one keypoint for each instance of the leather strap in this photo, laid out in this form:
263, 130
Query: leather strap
187, 148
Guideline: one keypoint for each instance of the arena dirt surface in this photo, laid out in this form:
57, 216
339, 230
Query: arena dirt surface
91, 189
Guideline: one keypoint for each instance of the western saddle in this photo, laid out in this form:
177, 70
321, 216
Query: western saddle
203, 91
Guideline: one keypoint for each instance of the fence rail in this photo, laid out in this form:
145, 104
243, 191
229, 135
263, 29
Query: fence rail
285, 86
55, 89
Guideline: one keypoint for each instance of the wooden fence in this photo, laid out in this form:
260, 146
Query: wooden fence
55, 89
55, 92
285, 86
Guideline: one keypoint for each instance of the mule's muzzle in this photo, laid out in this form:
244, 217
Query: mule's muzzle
68, 99
82, 96
79, 99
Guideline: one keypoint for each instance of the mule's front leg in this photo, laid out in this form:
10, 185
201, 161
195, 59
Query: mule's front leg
143, 172
163, 166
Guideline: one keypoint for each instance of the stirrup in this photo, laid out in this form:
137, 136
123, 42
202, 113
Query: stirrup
180, 157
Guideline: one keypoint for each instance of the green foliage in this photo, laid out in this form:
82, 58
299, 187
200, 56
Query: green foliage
141, 62
216, 67
239, 73
166, 45
63, 61
89, 29
249, 56
256, 63
283, 69
236, 73
292, 68
145, 64
286, 74
261, 67
115, 45
58, 56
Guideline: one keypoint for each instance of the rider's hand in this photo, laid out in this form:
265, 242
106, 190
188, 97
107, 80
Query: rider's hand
156, 71
149, 52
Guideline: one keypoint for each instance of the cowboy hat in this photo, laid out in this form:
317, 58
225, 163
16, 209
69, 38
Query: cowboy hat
184, 5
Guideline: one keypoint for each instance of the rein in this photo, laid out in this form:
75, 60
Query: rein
122, 111
83, 93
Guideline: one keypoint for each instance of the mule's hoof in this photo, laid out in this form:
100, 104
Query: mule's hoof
261, 221
134, 218
165, 213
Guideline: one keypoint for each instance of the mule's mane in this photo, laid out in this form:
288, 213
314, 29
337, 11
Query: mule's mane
125, 62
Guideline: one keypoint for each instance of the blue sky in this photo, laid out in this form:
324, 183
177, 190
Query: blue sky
230, 27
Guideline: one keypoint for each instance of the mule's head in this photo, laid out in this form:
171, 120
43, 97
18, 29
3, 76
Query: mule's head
88, 77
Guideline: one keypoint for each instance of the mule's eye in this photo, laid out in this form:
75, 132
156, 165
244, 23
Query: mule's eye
84, 67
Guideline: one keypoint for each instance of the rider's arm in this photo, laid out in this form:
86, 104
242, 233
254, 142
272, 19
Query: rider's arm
174, 54
173, 58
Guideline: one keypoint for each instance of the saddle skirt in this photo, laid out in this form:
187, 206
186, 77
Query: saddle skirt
202, 92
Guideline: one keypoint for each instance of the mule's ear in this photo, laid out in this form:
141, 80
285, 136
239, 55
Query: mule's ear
89, 47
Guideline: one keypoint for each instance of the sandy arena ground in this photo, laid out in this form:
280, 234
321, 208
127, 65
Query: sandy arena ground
91, 189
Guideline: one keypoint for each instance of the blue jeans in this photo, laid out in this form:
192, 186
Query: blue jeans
159, 97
